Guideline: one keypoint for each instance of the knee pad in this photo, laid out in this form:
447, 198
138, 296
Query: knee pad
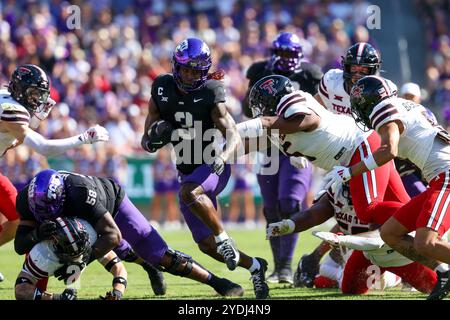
271, 214
288, 207
181, 264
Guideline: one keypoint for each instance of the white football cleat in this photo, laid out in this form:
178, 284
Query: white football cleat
1, 277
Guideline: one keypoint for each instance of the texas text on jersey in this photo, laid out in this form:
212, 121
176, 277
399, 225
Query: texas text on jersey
87, 197
190, 114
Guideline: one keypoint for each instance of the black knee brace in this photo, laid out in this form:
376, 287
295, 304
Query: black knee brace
181, 264
131, 256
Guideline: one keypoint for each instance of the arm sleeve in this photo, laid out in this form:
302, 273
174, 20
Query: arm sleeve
361, 243
52, 147
26, 238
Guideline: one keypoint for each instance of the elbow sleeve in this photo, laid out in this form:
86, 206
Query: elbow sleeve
26, 238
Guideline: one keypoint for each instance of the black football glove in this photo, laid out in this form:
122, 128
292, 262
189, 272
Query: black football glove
218, 165
46, 230
307, 269
68, 294
158, 135
112, 295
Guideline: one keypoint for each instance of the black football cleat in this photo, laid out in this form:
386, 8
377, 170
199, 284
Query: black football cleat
259, 280
442, 287
156, 278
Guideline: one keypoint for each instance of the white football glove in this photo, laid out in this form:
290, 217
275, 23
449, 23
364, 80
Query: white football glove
340, 174
299, 162
43, 113
94, 134
330, 237
280, 228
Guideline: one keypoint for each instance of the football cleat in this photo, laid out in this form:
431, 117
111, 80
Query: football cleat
226, 288
1, 277
442, 287
229, 252
156, 278
285, 276
260, 286
273, 277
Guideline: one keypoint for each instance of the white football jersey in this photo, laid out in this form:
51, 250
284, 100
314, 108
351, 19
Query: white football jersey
10, 111
42, 261
418, 141
350, 225
333, 94
332, 143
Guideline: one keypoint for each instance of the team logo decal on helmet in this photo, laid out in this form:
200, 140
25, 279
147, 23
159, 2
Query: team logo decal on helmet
269, 86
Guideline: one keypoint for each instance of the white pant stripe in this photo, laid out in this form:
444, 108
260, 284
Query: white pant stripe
438, 201
365, 180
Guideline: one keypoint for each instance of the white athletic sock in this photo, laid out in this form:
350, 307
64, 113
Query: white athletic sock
443, 267
221, 237
255, 266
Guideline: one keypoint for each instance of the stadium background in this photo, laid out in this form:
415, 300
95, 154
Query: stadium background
102, 71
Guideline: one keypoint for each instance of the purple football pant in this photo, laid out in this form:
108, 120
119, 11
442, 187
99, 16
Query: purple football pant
283, 194
138, 234
413, 185
212, 184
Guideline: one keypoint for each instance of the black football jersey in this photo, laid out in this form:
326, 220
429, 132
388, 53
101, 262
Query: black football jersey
87, 197
307, 79
190, 114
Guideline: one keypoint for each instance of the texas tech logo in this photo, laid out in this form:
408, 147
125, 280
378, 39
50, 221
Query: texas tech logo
268, 85
357, 91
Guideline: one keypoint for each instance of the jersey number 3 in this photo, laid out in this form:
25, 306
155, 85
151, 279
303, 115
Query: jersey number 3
186, 121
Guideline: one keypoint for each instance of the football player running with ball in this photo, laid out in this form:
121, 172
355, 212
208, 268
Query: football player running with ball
187, 108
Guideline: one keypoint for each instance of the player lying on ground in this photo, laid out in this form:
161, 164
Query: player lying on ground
71, 244
104, 204
369, 249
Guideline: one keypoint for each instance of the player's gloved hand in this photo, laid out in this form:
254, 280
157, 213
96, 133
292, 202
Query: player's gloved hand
307, 269
70, 272
341, 174
46, 230
68, 294
218, 165
112, 295
94, 134
280, 228
158, 135
329, 237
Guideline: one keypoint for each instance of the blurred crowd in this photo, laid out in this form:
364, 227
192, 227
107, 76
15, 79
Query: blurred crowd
102, 72
435, 14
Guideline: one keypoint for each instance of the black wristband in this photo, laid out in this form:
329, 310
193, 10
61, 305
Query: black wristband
121, 280
111, 263
22, 280
37, 294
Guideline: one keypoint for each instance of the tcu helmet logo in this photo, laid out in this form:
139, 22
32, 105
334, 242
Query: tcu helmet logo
268, 85
53, 191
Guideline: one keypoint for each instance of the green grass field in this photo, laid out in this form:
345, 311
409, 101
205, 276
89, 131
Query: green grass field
96, 281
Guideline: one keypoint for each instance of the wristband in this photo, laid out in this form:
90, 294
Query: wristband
121, 280
370, 162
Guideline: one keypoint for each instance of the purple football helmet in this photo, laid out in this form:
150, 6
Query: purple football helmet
46, 195
194, 54
286, 53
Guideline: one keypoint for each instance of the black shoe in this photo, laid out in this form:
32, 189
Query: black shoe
442, 287
229, 252
259, 280
307, 269
226, 288
285, 276
157, 281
